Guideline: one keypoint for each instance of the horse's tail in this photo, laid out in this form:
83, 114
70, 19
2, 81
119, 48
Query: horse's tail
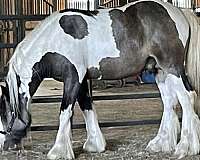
13, 88
193, 55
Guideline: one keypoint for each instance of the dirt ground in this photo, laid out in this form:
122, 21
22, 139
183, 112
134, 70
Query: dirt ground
123, 143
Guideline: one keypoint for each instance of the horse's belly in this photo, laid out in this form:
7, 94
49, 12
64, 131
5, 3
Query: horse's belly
116, 68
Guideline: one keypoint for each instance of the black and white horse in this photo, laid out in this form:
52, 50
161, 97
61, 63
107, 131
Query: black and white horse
73, 46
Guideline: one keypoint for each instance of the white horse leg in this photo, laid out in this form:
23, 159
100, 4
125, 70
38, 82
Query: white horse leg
95, 140
63, 145
166, 138
190, 133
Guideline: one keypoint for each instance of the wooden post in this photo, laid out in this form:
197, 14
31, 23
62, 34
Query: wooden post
197, 4
88, 5
1, 7
1, 50
54, 5
20, 23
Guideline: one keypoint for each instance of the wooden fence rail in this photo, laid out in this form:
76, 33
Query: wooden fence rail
58, 98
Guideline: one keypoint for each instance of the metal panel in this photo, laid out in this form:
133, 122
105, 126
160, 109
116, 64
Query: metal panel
82, 4
111, 3
181, 3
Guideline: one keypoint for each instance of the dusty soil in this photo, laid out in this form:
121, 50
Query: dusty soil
123, 143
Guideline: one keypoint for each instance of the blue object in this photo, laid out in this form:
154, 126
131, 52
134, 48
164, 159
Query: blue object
148, 77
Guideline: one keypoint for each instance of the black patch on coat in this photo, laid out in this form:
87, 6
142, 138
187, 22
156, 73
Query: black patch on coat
57, 66
85, 12
74, 25
84, 99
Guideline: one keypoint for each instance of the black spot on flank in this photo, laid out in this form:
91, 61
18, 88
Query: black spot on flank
74, 25
85, 12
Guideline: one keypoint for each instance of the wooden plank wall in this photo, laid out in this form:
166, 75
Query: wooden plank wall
197, 3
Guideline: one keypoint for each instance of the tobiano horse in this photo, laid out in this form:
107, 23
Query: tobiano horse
72, 46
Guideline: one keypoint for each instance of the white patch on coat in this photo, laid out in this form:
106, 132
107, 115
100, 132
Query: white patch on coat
63, 145
177, 16
95, 140
50, 37
2, 136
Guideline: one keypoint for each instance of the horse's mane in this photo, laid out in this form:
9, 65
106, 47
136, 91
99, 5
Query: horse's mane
13, 88
85, 12
16, 63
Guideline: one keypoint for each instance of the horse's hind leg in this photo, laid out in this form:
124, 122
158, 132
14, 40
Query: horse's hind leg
95, 140
166, 138
62, 148
190, 132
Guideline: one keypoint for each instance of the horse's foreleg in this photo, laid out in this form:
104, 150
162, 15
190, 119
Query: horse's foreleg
166, 138
95, 140
190, 132
62, 148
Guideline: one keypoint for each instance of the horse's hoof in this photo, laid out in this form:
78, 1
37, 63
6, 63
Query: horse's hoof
190, 138
185, 147
159, 144
56, 156
180, 151
153, 146
95, 144
58, 152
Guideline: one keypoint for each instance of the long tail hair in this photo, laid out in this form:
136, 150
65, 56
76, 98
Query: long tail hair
193, 55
